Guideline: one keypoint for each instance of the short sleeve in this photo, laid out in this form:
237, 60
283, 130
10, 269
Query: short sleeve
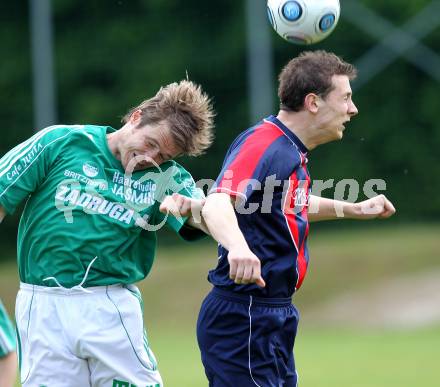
180, 181
25, 167
249, 161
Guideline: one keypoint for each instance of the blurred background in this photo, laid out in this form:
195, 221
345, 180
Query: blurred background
371, 303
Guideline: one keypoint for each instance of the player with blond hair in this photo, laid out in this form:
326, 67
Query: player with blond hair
94, 197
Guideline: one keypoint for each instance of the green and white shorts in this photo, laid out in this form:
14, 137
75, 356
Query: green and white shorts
83, 337
7, 333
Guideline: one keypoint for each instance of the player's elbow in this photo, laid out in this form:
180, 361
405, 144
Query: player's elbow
216, 204
208, 210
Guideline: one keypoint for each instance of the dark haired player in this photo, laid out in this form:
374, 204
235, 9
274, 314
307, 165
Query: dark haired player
247, 323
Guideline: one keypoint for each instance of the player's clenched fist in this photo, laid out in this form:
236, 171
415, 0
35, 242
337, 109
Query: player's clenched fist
245, 267
179, 205
376, 207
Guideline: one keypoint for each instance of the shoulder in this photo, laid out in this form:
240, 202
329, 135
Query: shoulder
69, 133
260, 137
265, 141
272, 145
175, 178
52, 137
175, 170
47, 142
57, 132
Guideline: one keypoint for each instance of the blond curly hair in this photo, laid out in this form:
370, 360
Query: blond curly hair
187, 110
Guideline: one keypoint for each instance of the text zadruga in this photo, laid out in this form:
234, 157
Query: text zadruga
79, 191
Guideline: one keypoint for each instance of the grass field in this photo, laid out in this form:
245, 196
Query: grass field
324, 358
343, 261
331, 358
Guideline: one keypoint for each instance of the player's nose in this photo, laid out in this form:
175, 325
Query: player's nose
153, 156
352, 109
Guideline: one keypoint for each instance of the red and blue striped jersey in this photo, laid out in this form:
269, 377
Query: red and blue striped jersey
265, 170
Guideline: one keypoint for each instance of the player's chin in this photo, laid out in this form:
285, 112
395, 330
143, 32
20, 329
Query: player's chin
338, 134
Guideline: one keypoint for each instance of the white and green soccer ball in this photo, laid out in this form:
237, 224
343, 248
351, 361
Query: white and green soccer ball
303, 21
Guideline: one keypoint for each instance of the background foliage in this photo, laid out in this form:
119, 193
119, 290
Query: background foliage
110, 55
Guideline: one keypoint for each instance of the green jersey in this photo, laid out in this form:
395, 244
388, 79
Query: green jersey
81, 204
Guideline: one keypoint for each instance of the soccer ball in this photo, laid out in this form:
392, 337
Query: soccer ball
303, 21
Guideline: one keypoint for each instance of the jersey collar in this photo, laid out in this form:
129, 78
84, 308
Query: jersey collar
288, 133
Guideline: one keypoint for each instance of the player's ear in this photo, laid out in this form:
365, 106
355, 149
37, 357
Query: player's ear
312, 103
135, 117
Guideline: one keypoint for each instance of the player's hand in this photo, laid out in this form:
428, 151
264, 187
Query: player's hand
245, 267
378, 207
181, 206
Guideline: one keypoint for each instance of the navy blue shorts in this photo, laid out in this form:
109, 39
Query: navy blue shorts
247, 341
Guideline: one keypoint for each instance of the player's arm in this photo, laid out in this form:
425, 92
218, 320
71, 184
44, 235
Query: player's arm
24, 168
197, 222
219, 216
8, 369
2, 213
185, 207
328, 209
